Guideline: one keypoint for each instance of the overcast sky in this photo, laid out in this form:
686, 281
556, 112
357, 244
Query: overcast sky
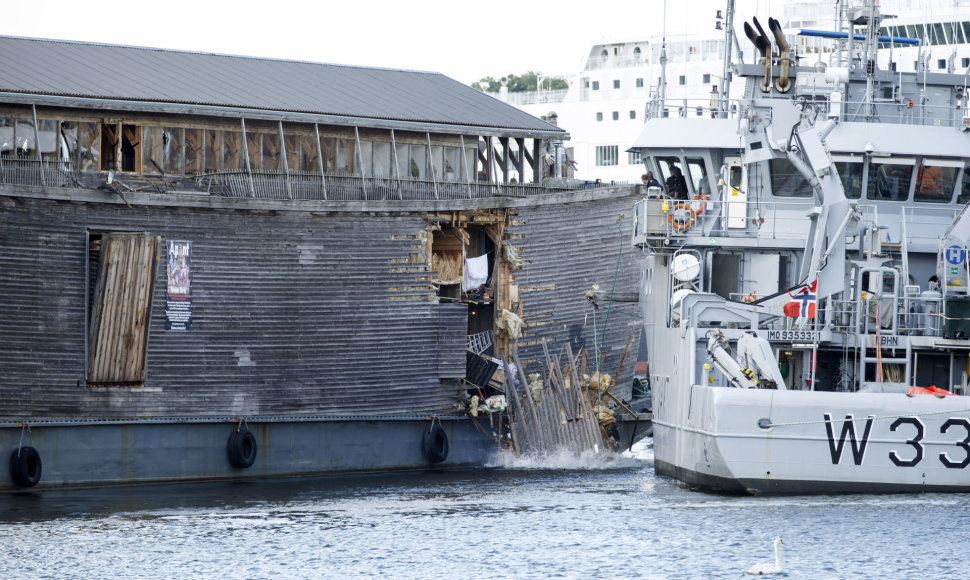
464, 40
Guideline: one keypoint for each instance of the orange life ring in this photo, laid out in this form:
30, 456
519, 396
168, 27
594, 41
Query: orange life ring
685, 216
699, 203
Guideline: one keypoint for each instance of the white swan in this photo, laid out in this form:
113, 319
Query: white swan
767, 567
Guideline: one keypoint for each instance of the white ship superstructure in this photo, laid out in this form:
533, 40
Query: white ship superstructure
806, 284
608, 100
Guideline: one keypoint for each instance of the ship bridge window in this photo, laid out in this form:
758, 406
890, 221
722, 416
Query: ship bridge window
935, 179
889, 178
672, 176
697, 172
786, 181
964, 196
850, 170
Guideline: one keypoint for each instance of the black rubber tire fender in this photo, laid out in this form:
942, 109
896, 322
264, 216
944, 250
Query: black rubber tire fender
25, 467
434, 444
241, 448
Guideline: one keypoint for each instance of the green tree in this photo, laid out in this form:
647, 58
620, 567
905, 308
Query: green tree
527, 81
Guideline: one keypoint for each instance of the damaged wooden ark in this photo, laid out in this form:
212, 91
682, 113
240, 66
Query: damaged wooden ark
233, 267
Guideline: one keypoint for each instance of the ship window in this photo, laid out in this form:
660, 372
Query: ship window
452, 164
616, 115
889, 180
965, 25
607, 155
193, 151
52, 143
697, 172
633, 114
382, 159
850, 168
599, 116
89, 146
596, 85
965, 62
639, 83
935, 180
418, 164
941, 63
636, 52
438, 162
675, 185
707, 78
328, 154
121, 274
682, 80
120, 147
938, 35
401, 151
162, 150
616, 84
786, 181
367, 157
736, 174
964, 196
634, 157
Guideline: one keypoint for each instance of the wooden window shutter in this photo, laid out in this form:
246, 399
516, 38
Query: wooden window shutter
121, 308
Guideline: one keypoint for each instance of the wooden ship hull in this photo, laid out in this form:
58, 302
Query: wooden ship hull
198, 292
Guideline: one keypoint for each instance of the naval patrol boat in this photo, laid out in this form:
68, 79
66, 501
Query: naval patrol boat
804, 276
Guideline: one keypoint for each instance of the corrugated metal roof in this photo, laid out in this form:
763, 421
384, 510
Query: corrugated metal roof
101, 71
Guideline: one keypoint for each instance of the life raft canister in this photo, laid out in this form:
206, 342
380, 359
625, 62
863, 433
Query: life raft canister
681, 217
434, 444
25, 466
241, 448
930, 390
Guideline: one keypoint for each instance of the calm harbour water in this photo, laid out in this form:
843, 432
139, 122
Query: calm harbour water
566, 518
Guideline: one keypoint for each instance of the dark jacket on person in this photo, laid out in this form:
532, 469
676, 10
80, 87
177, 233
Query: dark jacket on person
677, 187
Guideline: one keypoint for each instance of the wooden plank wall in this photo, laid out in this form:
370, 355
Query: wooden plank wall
292, 313
324, 313
552, 281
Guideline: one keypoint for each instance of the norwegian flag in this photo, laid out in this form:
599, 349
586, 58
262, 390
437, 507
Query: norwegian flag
802, 302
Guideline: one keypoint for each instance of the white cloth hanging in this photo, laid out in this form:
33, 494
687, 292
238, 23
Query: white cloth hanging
476, 272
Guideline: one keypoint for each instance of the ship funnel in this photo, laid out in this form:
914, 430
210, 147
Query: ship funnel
764, 45
782, 83
758, 41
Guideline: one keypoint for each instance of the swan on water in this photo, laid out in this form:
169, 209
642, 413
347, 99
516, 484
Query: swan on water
767, 567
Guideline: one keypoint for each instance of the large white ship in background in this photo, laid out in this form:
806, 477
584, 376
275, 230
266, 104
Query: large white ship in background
610, 98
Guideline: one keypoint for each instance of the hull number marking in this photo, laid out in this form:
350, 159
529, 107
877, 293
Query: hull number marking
903, 457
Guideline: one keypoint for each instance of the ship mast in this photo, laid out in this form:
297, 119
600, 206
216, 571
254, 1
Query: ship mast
725, 86
663, 67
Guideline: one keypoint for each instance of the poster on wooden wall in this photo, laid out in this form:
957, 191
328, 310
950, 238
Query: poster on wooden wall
178, 296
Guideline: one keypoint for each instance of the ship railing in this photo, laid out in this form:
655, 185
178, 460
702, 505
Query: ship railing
608, 62
657, 221
46, 172
889, 111
896, 111
519, 98
706, 107
914, 315
313, 186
